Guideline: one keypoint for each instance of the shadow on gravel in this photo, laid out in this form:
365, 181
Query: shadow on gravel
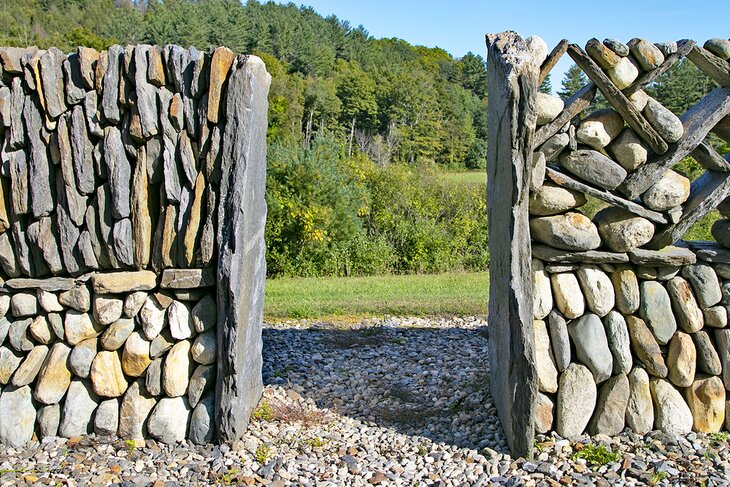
431, 382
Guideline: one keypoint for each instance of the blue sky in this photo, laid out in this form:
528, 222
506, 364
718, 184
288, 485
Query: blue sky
460, 26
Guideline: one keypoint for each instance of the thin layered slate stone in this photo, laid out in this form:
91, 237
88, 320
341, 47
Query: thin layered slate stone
123, 282
17, 107
51, 284
41, 236
18, 162
75, 92
710, 252
39, 171
110, 93
551, 254
146, 93
220, 65
668, 256
187, 278
75, 201
51, 65
83, 161
593, 167
120, 172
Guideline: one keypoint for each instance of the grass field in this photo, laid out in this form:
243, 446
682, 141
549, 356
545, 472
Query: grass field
467, 177
351, 298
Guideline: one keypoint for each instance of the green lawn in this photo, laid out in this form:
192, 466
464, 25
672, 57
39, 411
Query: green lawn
467, 177
350, 298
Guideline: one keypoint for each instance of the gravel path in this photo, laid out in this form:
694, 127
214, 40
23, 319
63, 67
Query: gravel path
386, 402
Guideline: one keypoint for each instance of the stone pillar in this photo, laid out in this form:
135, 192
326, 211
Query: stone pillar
512, 79
241, 250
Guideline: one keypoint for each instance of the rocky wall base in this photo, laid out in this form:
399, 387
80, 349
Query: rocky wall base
125, 353
643, 343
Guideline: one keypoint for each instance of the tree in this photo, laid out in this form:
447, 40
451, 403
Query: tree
356, 90
573, 81
681, 87
546, 86
473, 74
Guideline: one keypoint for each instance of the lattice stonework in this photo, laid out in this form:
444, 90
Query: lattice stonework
634, 278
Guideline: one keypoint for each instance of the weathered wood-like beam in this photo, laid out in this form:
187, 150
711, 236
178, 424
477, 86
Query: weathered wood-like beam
697, 122
561, 179
710, 251
573, 106
710, 159
552, 60
714, 67
706, 193
618, 100
683, 47
512, 80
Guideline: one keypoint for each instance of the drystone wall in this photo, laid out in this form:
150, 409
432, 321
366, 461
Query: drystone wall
131, 242
629, 323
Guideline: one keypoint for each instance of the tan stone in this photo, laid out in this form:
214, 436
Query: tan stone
192, 230
79, 327
706, 399
107, 375
30, 366
4, 218
602, 55
141, 219
107, 309
599, 128
54, 376
41, 330
155, 68
169, 237
134, 410
568, 295
547, 373
87, 59
176, 371
136, 355
682, 360
220, 65
123, 282
544, 411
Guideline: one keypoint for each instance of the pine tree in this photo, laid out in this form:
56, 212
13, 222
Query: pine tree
547, 85
573, 81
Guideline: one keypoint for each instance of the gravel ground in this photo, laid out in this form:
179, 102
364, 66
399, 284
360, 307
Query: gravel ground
386, 402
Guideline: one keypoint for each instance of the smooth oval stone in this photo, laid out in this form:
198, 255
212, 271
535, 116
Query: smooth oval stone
720, 232
107, 375
202, 421
656, 310
626, 287
623, 74
134, 411
114, 337
559, 340
640, 409
169, 419
538, 49
609, 417
715, 317
599, 128
647, 54
622, 231
17, 416
547, 373
617, 334
551, 199
705, 284
82, 356
54, 376
617, 46
576, 401
718, 47
601, 54
176, 370
689, 315
554, 146
547, 107
681, 360
706, 399
568, 295
639, 99
645, 347
708, 360
106, 419
569, 231
669, 191
673, 416
597, 289
591, 345
136, 355
667, 124
78, 410
629, 150
593, 167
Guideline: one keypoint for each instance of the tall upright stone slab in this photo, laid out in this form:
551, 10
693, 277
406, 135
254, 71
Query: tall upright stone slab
241, 253
513, 80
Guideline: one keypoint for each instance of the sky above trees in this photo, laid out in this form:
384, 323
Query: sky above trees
459, 27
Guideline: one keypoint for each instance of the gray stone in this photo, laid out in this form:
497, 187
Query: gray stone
203, 350
49, 301
640, 408
134, 411
22, 252
597, 289
554, 146
205, 314
133, 303
647, 54
49, 417
39, 182
110, 93
123, 241
17, 107
673, 416
23, 304
83, 162
666, 48
668, 256
682, 360
547, 107
619, 343
77, 417
626, 288
704, 283
537, 174
591, 345
715, 317
665, 273
9, 363
599, 128
4, 328
176, 371
91, 112
568, 295
547, 374
617, 46
169, 420
31, 365
17, 416
559, 339
621, 230
51, 64
542, 296
645, 347
721, 232
153, 377
77, 298
114, 337
708, 361
56, 323
594, 168
75, 92
203, 380
8, 259
656, 310
613, 399
576, 401
153, 317
569, 231
43, 244
106, 419
552, 200
689, 316
146, 93
180, 321
82, 356
107, 309
628, 150
723, 346
723, 271
669, 191
18, 335
187, 278
667, 124
718, 47
120, 172
161, 344
54, 376
202, 421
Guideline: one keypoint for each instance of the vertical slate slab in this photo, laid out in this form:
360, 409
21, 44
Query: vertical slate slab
241, 252
512, 81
